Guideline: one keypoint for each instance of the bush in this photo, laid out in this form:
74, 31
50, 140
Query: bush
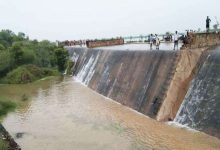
19, 75
17, 53
70, 65
18, 50
35, 71
28, 57
6, 105
27, 73
6, 62
50, 72
62, 57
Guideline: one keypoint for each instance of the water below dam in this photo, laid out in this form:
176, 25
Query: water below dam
67, 115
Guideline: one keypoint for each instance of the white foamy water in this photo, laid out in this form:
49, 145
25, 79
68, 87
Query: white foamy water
131, 47
87, 71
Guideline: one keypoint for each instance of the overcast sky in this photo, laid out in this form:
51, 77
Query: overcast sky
84, 19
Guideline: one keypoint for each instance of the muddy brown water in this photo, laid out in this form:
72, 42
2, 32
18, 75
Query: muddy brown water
67, 115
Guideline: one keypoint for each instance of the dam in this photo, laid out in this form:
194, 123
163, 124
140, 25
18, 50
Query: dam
159, 84
134, 78
200, 108
124, 99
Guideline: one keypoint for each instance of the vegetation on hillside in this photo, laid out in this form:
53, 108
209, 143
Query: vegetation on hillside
27, 73
22, 58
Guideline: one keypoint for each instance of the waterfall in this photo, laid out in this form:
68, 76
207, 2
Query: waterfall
86, 73
200, 108
132, 78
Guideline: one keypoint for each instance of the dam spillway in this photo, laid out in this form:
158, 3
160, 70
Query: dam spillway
137, 79
155, 83
200, 108
76, 116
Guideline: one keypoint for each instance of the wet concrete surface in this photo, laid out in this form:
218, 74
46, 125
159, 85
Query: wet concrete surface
137, 79
200, 108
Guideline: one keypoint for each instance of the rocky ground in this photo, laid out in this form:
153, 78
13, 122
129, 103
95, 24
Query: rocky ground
8, 140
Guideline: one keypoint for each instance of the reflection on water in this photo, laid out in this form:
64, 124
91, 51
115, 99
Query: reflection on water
70, 116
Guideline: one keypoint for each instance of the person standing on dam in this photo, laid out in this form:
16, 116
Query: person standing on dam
151, 41
157, 42
208, 20
176, 40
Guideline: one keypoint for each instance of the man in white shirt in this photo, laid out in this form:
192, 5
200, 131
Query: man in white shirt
157, 42
176, 38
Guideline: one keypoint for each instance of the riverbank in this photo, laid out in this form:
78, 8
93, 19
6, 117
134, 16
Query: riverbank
28, 73
6, 141
22, 75
16, 92
17, 96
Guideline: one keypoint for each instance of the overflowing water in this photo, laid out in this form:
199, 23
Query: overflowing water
200, 109
143, 47
136, 79
67, 115
135, 46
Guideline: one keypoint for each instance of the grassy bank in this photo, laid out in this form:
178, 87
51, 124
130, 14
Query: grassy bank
2, 145
6, 105
23, 60
27, 74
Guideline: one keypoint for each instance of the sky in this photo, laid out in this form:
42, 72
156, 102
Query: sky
90, 19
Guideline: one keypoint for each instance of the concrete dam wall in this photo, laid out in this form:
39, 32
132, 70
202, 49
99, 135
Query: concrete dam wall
137, 79
201, 106
165, 85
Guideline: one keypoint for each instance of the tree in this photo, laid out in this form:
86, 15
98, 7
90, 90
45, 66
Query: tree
6, 37
6, 62
62, 57
19, 37
17, 53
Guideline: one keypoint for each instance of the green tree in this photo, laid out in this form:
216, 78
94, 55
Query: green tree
17, 53
19, 37
6, 37
6, 62
45, 53
62, 57
28, 56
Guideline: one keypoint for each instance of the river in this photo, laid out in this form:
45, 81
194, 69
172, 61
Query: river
67, 115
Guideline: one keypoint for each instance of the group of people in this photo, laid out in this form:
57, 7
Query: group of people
154, 40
